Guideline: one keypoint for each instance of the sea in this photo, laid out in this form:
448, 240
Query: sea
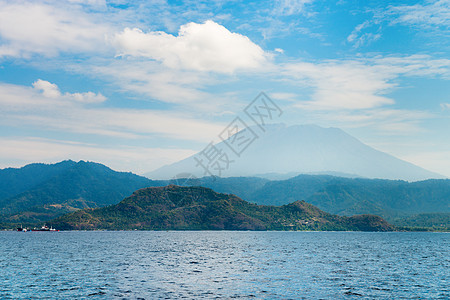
224, 265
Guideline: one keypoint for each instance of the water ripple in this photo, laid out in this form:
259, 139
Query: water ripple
223, 265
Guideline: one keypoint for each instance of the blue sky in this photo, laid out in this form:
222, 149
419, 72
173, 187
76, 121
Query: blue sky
139, 84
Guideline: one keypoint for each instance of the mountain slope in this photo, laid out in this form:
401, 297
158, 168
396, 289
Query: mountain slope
44, 192
306, 149
346, 196
74, 186
198, 208
14, 181
434, 221
391, 199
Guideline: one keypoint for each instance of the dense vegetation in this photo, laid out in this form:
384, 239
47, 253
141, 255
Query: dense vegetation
15, 181
198, 208
38, 192
391, 199
42, 192
431, 221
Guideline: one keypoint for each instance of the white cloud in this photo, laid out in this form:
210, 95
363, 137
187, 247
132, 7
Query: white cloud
189, 91
28, 28
284, 96
290, 7
48, 89
380, 121
24, 107
363, 83
445, 105
151, 79
201, 47
396, 122
88, 97
359, 38
97, 3
431, 14
337, 85
51, 90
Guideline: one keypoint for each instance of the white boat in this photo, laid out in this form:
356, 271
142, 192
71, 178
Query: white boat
44, 228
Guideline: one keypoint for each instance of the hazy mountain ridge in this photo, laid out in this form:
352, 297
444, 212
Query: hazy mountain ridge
344, 196
198, 208
74, 185
14, 181
305, 149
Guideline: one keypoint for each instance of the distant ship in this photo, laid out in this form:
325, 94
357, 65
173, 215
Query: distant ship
44, 228
22, 229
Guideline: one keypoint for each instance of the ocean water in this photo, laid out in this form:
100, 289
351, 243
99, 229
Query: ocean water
214, 265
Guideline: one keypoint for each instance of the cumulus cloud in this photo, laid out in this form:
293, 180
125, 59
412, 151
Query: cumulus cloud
88, 97
28, 28
51, 90
445, 105
201, 47
48, 89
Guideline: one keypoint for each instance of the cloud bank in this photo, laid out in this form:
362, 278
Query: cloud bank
28, 28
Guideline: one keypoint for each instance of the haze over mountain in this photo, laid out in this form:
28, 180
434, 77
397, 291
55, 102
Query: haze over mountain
302, 149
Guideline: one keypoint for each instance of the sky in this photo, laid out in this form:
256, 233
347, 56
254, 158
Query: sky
136, 85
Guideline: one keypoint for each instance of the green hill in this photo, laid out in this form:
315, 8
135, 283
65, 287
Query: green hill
40, 192
391, 199
197, 208
433, 221
44, 192
14, 181
346, 196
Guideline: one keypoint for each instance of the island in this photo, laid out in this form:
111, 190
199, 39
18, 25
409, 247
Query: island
198, 208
